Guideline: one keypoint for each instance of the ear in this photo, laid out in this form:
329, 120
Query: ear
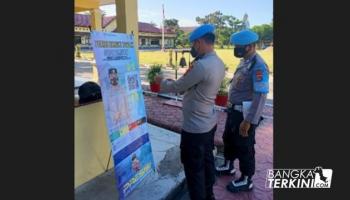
248, 47
200, 41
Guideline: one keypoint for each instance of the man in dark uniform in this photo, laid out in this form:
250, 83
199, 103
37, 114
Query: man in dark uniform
247, 96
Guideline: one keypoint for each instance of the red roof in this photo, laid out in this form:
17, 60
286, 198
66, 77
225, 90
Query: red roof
84, 21
108, 20
150, 28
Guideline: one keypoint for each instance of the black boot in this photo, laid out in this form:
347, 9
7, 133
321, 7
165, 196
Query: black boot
242, 184
226, 169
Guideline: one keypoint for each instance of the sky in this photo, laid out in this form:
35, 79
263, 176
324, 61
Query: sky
186, 11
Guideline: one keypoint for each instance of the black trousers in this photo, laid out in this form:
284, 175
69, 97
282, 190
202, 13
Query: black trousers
236, 146
198, 160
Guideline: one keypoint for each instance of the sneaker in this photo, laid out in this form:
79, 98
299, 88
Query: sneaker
226, 169
242, 184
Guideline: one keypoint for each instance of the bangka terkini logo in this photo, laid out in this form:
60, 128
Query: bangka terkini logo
299, 178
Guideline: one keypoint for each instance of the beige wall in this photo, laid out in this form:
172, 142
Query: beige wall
91, 143
111, 26
127, 19
81, 29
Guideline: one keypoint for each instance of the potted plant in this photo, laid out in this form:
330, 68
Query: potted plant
222, 96
154, 70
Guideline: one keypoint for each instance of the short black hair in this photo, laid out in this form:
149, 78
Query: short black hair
112, 70
209, 38
133, 157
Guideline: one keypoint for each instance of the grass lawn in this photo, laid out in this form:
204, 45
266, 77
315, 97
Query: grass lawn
159, 57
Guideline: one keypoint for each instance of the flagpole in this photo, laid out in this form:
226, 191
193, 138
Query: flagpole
163, 29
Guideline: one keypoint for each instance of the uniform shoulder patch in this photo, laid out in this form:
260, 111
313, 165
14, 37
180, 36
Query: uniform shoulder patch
261, 79
259, 75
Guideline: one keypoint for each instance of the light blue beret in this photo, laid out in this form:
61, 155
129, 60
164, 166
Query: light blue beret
200, 31
244, 37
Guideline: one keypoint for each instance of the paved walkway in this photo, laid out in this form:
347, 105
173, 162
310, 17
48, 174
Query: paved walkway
164, 183
170, 117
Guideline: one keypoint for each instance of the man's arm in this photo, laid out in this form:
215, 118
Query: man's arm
256, 107
261, 88
193, 77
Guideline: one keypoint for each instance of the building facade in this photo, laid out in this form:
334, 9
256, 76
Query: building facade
150, 37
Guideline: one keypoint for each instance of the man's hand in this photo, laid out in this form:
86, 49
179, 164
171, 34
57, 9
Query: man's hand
158, 79
243, 128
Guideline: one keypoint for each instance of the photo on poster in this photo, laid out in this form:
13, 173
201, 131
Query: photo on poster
133, 81
132, 168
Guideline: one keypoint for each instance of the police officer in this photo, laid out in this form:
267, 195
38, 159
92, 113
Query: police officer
250, 84
200, 84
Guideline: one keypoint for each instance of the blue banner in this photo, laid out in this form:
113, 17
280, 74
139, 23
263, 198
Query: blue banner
119, 78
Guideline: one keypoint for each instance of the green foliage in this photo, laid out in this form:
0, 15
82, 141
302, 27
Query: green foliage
223, 90
181, 39
172, 24
225, 25
265, 32
154, 70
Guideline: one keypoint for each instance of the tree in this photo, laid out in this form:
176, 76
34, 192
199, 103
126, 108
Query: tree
265, 32
171, 24
225, 25
181, 38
